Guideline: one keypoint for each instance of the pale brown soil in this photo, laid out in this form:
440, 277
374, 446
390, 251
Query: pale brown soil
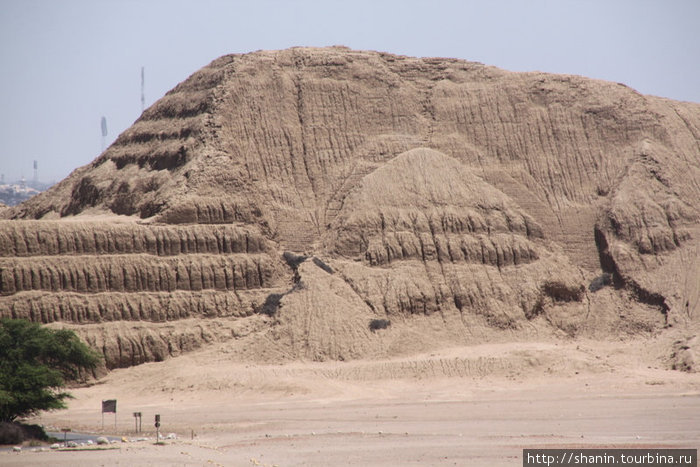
477, 405
257, 223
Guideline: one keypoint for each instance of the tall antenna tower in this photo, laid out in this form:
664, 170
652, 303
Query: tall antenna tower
104, 131
143, 97
36, 173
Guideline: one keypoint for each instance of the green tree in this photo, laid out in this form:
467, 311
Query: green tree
35, 363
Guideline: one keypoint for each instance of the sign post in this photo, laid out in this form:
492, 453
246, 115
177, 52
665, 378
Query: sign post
157, 428
137, 422
109, 405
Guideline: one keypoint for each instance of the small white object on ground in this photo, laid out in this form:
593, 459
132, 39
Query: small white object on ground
102, 440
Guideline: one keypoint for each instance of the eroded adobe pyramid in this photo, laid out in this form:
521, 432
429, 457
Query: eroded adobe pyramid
455, 200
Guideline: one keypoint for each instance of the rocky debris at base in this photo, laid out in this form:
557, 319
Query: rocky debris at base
685, 355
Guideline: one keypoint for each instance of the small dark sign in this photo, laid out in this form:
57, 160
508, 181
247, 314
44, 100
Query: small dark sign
109, 405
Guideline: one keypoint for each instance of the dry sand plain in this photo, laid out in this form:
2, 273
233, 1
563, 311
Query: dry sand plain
478, 405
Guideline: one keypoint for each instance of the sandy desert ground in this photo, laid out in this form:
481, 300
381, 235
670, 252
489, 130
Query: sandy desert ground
478, 405
383, 260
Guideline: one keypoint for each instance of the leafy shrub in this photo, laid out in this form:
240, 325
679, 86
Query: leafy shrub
35, 432
10, 433
16, 433
35, 362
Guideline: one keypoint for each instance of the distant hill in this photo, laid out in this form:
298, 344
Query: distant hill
15, 193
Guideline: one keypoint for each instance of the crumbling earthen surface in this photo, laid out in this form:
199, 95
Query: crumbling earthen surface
480, 200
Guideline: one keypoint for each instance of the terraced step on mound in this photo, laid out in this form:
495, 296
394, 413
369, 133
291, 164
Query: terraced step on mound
88, 274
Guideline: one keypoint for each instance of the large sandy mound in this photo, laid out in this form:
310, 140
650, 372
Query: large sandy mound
422, 202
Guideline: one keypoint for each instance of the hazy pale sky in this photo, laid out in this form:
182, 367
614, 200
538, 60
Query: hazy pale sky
66, 63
